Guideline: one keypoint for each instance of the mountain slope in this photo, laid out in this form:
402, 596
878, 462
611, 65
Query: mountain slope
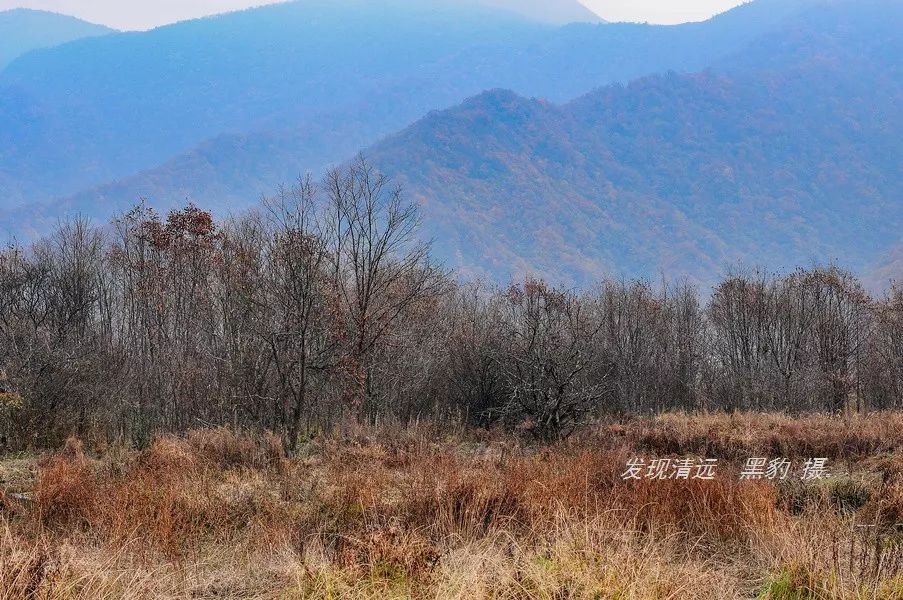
233, 169
787, 154
23, 30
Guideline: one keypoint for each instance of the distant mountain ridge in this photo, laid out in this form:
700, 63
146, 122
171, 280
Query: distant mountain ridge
232, 169
23, 30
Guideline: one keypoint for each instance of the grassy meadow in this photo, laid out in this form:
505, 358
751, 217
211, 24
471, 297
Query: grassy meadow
415, 513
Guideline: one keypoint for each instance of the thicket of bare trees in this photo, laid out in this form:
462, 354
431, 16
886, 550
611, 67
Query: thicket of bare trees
323, 306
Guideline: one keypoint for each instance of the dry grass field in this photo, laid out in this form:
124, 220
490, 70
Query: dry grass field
417, 513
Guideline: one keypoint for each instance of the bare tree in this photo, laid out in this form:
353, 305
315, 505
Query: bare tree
549, 340
476, 383
741, 330
381, 270
885, 365
304, 321
840, 329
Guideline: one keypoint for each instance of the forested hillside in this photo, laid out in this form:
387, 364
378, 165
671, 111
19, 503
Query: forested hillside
788, 153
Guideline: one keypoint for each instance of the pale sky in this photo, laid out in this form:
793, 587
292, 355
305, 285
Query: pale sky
144, 14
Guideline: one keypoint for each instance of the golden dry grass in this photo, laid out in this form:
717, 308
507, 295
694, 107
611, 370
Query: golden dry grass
411, 514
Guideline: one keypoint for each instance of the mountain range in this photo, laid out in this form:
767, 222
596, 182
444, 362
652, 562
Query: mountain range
786, 154
768, 135
292, 87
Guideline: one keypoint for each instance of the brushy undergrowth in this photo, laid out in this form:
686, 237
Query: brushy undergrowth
411, 513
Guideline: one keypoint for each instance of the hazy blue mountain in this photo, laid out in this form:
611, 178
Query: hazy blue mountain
255, 110
789, 153
97, 109
23, 30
